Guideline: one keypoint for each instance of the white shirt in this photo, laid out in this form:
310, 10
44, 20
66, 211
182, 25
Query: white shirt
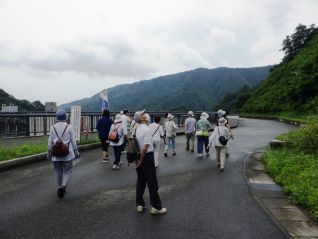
214, 138
170, 128
156, 131
144, 136
68, 138
126, 120
122, 131
189, 125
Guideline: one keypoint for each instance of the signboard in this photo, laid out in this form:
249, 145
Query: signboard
9, 108
50, 106
76, 121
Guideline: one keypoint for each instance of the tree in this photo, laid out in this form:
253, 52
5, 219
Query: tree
294, 43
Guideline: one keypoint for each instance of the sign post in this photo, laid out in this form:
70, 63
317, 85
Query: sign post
76, 121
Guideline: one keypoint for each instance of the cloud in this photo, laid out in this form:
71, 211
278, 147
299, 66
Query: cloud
89, 46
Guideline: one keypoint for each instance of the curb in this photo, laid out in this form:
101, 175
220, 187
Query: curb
291, 219
12, 163
291, 122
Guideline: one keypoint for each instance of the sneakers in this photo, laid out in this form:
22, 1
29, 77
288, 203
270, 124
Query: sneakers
106, 160
60, 192
174, 153
207, 155
200, 156
155, 211
123, 152
166, 155
140, 209
115, 167
221, 170
192, 151
120, 163
187, 149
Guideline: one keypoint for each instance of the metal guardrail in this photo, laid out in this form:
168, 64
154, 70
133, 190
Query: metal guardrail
39, 123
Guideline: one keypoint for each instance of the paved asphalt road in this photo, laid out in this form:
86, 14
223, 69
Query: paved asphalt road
100, 203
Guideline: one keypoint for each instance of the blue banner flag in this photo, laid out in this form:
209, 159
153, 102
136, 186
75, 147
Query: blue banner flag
104, 100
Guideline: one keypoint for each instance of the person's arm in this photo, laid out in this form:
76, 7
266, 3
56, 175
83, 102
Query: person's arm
73, 141
211, 138
50, 143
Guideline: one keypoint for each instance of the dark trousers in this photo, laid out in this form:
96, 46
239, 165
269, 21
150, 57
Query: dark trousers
104, 145
117, 153
146, 174
203, 141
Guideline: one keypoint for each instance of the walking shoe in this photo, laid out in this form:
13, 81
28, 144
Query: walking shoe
166, 155
222, 170
200, 156
120, 163
105, 160
192, 151
115, 167
60, 192
140, 209
218, 166
187, 149
207, 155
155, 211
123, 152
174, 154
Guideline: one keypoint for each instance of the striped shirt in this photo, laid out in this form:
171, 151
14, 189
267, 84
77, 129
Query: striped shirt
144, 136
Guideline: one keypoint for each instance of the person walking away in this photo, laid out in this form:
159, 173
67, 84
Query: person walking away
220, 148
220, 114
204, 127
157, 134
189, 130
171, 133
126, 123
103, 127
145, 167
117, 144
62, 149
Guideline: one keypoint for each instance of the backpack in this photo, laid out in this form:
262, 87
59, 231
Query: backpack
59, 149
113, 135
133, 151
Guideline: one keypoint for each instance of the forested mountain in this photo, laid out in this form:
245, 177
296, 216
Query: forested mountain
292, 86
24, 105
198, 89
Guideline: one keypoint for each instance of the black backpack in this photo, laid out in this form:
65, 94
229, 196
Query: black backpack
133, 151
59, 149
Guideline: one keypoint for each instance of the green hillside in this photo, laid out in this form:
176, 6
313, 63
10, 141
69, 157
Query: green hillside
24, 105
199, 89
291, 86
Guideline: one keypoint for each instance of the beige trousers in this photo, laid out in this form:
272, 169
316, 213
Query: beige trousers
220, 155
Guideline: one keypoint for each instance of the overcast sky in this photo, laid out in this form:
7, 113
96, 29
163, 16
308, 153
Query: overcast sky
63, 50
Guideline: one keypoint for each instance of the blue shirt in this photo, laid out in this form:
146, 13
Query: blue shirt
103, 127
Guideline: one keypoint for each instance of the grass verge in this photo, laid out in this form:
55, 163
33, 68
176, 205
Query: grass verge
296, 167
12, 152
298, 173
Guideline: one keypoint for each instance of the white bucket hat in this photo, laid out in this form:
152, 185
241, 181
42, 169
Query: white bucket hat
204, 115
222, 121
190, 113
117, 118
221, 113
170, 117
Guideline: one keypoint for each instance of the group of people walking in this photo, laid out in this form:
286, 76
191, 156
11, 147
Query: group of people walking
62, 146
